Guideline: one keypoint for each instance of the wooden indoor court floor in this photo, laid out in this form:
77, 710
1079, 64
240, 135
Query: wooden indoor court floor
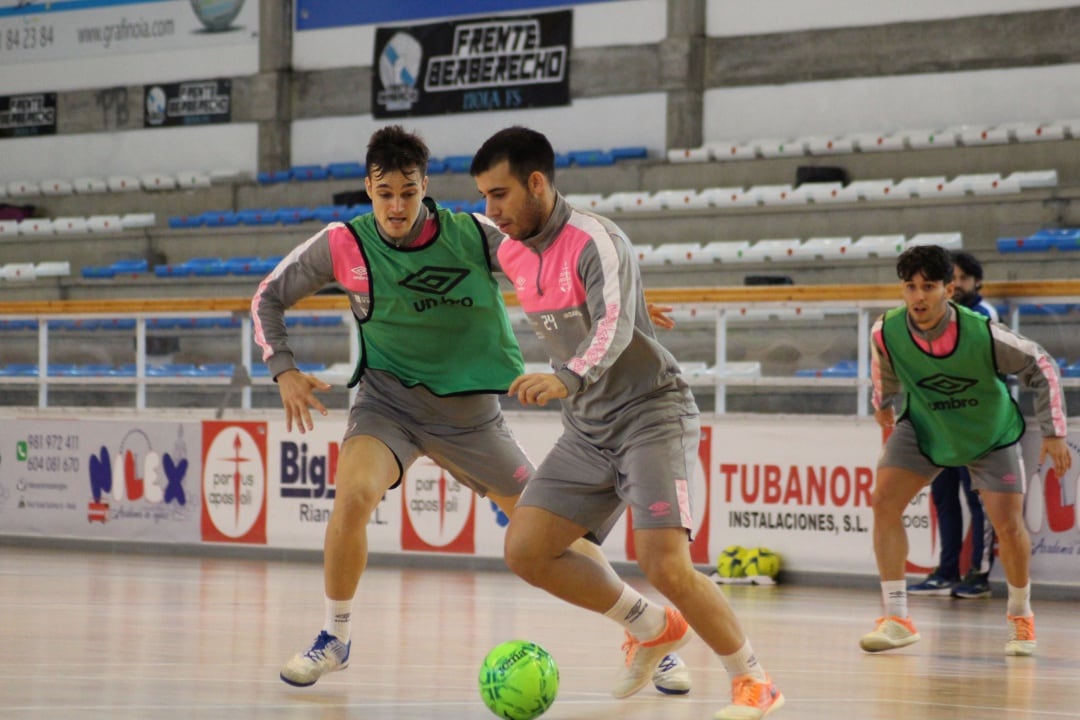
87, 635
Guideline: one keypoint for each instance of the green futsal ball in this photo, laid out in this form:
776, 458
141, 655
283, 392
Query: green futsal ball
761, 561
730, 563
519, 680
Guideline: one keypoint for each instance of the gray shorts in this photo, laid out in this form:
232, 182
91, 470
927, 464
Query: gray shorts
1000, 470
651, 472
486, 458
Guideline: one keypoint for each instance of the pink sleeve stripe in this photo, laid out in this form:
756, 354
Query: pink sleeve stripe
1057, 413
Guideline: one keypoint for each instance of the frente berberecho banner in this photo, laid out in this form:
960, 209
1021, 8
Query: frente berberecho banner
472, 65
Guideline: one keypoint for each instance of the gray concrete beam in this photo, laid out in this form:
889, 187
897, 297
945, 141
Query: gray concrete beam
1046, 37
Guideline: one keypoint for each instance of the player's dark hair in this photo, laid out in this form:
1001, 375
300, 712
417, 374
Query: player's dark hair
392, 149
933, 262
967, 262
526, 150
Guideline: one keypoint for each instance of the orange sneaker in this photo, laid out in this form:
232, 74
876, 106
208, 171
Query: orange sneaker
1021, 635
642, 657
891, 632
751, 699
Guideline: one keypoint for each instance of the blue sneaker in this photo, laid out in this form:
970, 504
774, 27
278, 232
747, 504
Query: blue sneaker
934, 584
326, 654
974, 585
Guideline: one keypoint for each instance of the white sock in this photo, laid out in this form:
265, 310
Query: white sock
338, 618
744, 662
894, 597
641, 618
1019, 604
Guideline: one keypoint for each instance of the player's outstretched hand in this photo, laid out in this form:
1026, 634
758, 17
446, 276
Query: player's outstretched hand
537, 388
297, 396
1058, 451
659, 316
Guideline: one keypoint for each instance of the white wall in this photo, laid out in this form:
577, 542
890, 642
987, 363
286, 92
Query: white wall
587, 123
630, 22
725, 18
168, 150
892, 103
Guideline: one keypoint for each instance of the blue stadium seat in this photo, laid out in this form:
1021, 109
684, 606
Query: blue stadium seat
217, 369
248, 265
360, 209
591, 158
842, 369
168, 271
260, 370
1071, 371
342, 170
332, 213
277, 176
257, 216
1045, 309
457, 163
207, 266
15, 325
97, 273
19, 370
304, 173
293, 215
186, 221
562, 160
1023, 244
1060, 238
220, 218
131, 266
436, 166
630, 152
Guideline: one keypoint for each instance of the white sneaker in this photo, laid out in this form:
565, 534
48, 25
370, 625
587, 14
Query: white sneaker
1021, 636
327, 654
890, 633
671, 676
643, 657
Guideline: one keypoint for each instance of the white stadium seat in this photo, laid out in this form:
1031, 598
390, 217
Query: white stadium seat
36, 226
123, 183
963, 184
23, 188
725, 151
949, 241
87, 185
1037, 131
775, 148
823, 192
138, 220
823, 247
18, 271
926, 139
192, 179
70, 225
645, 254
584, 201
882, 246
53, 268
739, 198
866, 190
779, 195
56, 187
677, 200
682, 155
973, 135
1035, 178
8, 229
157, 181
877, 142
773, 249
922, 187
678, 254
104, 223
828, 145
724, 250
